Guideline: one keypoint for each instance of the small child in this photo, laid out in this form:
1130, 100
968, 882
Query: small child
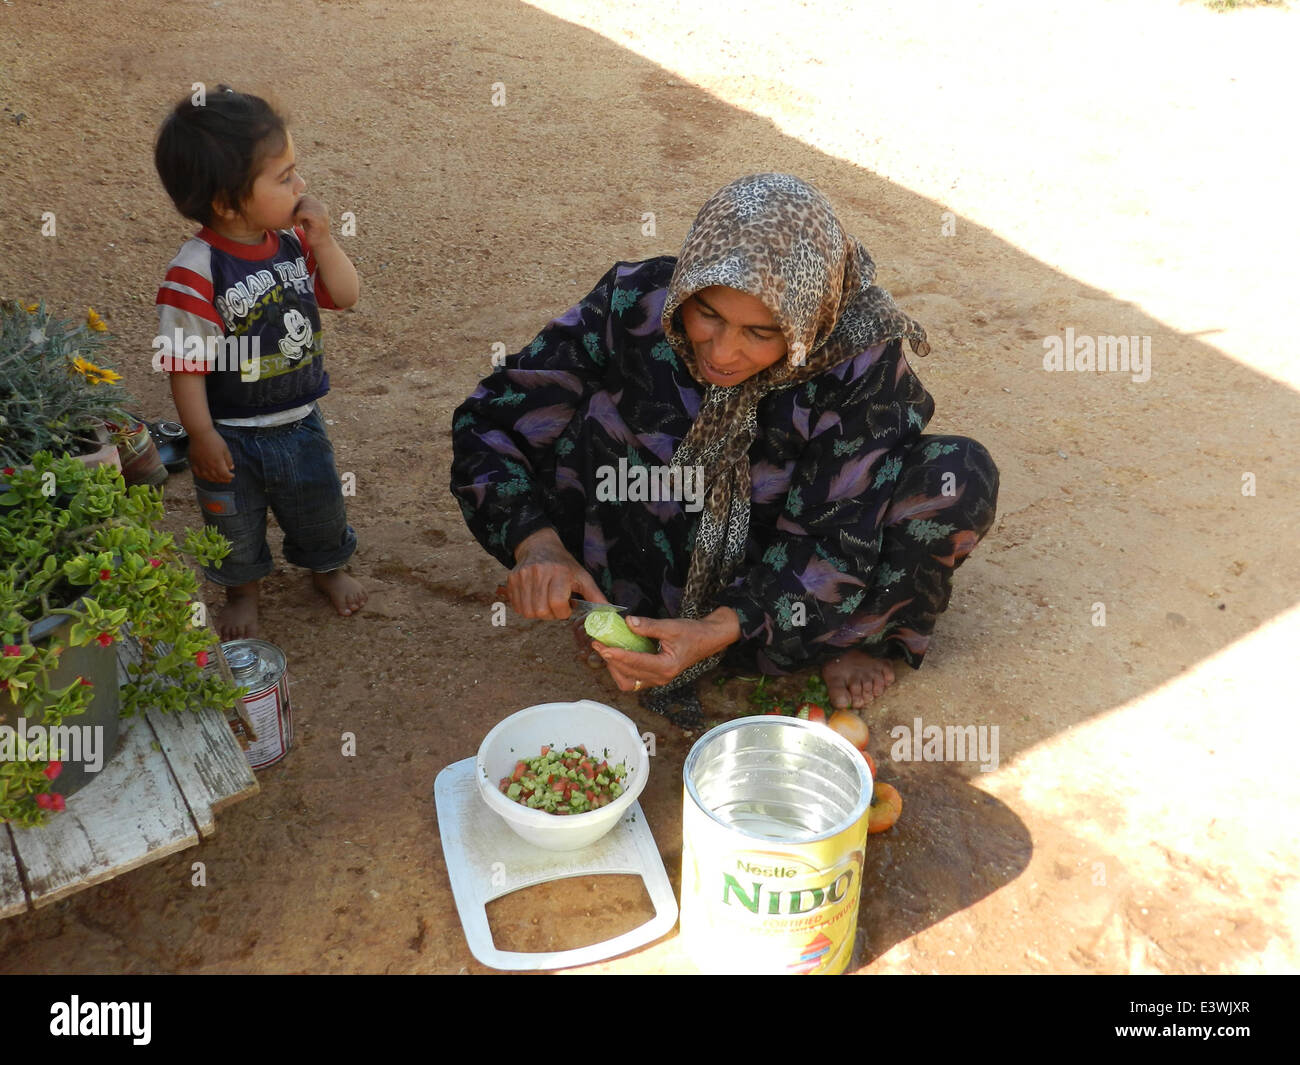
239, 330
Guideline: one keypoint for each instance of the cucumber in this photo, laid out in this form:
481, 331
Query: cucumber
608, 627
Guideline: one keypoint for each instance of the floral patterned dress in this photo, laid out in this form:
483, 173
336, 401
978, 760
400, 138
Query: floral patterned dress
857, 519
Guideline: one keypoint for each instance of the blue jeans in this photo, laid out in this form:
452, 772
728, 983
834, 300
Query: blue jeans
290, 469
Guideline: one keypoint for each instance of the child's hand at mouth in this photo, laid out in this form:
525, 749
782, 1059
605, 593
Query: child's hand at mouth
314, 218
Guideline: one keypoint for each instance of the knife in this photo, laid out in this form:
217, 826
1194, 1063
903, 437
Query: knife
583, 607
580, 607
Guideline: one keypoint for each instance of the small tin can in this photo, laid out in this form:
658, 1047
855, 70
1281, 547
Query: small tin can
773, 834
259, 669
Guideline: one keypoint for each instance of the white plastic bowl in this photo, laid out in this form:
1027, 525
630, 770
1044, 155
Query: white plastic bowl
522, 735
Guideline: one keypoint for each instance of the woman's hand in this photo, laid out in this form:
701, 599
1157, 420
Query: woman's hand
546, 576
681, 645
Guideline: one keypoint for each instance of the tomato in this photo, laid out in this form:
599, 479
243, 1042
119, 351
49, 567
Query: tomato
871, 764
851, 727
520, 770
811, 712
886, 805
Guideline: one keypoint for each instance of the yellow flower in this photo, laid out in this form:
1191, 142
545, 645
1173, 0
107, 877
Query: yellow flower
31, 308
95, 374
95, 321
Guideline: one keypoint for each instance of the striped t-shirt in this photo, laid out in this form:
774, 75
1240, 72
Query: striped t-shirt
247, 316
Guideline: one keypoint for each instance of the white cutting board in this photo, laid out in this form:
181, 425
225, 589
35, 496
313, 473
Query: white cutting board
486, 860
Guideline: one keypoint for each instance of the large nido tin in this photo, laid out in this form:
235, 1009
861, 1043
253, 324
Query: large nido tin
774, 827
259, 669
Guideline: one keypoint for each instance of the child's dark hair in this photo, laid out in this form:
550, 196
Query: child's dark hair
211, 151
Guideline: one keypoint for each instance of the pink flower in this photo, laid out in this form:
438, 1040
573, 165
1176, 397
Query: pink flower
44, 800
201, 658
9, 471
53, 770
105, 640
155, 562
12, 650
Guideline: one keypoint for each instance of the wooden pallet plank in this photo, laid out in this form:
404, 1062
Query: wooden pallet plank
209, 765
210, 768
13, 899
131, 814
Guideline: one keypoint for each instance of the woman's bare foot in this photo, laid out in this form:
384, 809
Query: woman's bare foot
855, 678
344, 590
237, 620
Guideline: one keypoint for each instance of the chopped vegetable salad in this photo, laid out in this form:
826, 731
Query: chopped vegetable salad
564, 781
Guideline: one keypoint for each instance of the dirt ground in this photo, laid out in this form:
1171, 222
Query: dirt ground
1017, 171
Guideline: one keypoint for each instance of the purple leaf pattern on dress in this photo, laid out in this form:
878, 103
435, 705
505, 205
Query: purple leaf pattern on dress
921, 506
770, 482
785, 525
566, 479
570, 318
661, 445
601, 410
531, 379
823, 580
801, 419
501, 443
860, 627
828, 421
652, 303
594, 548
540, 427
850, 481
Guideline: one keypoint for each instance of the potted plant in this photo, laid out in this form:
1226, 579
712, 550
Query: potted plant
84, 568
56, 393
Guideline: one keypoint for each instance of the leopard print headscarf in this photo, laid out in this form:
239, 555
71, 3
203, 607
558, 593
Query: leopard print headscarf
777, 238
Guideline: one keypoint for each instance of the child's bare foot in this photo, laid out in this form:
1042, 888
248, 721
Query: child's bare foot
344, 590
855, 678
237, 620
